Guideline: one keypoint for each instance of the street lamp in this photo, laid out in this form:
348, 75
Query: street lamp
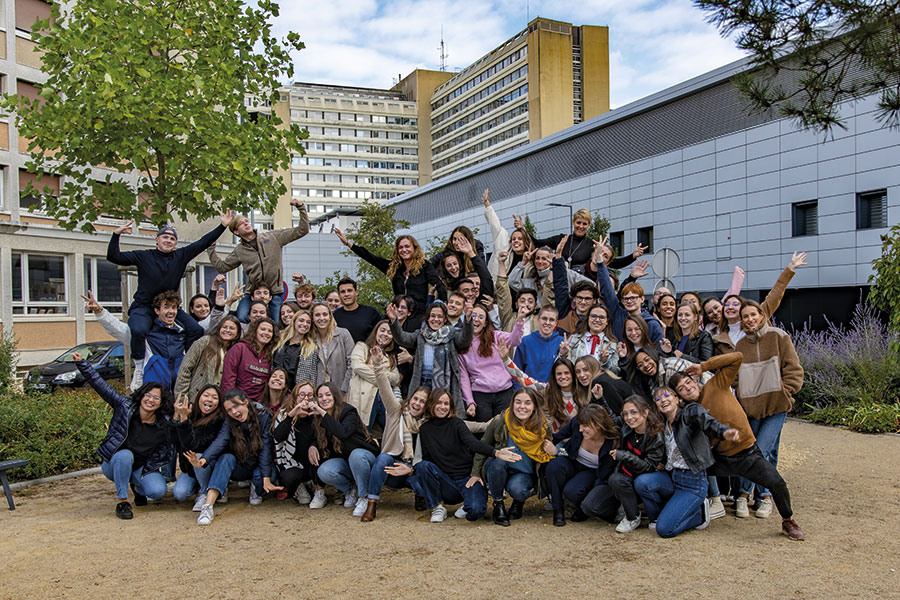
571, 218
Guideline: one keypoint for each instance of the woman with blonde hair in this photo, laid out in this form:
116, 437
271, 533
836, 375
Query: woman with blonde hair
335, 346
297, 352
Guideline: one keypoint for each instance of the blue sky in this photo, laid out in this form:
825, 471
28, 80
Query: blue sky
653, 43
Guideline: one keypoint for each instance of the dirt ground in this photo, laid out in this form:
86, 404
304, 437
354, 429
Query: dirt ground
64, 540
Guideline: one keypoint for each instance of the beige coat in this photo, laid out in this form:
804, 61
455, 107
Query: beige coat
363, 383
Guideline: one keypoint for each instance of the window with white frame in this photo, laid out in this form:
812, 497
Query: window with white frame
205, 278
103, 279
38, 284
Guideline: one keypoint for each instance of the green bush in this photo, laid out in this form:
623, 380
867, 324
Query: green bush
863, 417
57, 432
8, 359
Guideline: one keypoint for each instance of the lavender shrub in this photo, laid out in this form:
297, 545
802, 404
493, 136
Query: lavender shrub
849, 364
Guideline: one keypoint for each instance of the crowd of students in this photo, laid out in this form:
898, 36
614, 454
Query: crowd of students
534, 371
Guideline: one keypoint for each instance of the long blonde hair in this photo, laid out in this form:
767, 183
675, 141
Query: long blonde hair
416, 262
329, 331
307, 342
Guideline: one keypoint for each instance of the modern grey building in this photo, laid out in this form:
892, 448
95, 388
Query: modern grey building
688, 168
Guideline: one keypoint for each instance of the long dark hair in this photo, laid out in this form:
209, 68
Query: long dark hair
245, 447
216, 346
166, 401
486, 337
266, 399
654, 420
556, 404
264, 351
583, 327
336, 410
198, 419
536, 422
596, 416
435, 395
388, 350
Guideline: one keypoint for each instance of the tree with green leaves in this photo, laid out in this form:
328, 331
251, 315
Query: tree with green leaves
157, 88
812, 55
599, 227
376, 231
885, 280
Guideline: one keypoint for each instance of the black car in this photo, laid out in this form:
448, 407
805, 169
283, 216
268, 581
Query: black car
108, 358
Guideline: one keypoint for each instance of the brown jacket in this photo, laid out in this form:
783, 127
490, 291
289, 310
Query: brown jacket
773, 299
770, 374
262, 264
716, 397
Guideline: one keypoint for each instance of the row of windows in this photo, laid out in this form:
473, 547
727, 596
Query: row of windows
332, 147
491, 141
357, 164
489, 72
487, 126
871, 213
363, 133
494, 104
475, 98
355, 117
345, 194
335, 178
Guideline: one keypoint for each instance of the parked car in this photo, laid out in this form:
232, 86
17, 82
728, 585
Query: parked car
108, 358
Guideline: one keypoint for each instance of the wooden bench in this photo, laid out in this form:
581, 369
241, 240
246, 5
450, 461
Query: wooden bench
4, 467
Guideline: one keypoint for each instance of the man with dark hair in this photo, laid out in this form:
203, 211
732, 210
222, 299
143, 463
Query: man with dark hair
456, 305
356, 318
538, 350
579, 302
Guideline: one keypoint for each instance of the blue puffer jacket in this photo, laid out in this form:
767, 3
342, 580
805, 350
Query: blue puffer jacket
123, 409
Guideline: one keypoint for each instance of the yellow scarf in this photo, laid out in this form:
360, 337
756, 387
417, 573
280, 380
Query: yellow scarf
527, 441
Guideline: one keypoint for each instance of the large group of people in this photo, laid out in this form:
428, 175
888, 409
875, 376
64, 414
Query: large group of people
532, 371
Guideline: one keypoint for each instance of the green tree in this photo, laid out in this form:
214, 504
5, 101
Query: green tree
376, 231
812, 55
158, 88
599, 227
885, 280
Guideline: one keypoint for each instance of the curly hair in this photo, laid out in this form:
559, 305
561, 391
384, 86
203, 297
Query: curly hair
416, 262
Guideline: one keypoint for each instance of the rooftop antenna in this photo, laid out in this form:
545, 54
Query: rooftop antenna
443, 50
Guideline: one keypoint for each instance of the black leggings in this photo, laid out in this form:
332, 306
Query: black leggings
292, 478
489, 405
751, 464
623, 489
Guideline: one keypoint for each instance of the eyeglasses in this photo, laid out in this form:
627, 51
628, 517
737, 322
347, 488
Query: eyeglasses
477, 317
584, 298
597, 317
152, 397
307, 395
630, 298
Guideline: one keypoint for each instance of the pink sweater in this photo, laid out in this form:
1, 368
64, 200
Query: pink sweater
482, 374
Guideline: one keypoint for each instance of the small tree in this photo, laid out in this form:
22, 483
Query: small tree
376, 231
529, 227
158, 88
885, 281
599, 227
9, 358
832, 50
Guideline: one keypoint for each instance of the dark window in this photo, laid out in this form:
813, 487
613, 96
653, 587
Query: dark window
617, 241
645, 238
805, 218
871, 209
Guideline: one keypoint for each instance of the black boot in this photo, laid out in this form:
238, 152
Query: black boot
578, 516
515, 509
123, 510
139, 499
420, 503
559, 518
500, 516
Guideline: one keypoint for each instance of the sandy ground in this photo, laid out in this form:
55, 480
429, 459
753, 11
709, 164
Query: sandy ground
64, 540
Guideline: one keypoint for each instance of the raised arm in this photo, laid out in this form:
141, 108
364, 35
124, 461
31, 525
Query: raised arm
289, 234
725, 366
431, 276
499, 235
191, 251
378, 262
230, 263
116, 256
774, 297
737, 282
92, 378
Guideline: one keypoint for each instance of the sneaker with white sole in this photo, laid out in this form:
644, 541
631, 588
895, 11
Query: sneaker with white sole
740, 508
460, 513
199, 501
704, 510
206, 515
627, 526
765, 508
716, 508
438, 514
360, 508
651, 525
319, 500
302, 494
350, 498
255, 499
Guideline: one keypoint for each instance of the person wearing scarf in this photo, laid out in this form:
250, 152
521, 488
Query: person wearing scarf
522, 428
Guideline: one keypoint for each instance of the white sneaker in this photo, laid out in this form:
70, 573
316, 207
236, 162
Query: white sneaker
255, 499
206, 515
302, 494
361, 505
318, 500
438, 514
460, 513
765, 508
704, 510
651, 525
350, 499
716, 508
740, 508
199, 502
223, 497
627, 526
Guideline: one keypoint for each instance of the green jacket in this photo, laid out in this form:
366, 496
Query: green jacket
262, 264
497, 435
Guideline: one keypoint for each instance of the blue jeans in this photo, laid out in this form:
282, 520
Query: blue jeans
377, 415
243, 308
140, 319
186, 485
378, 478
436, 486
768, 437
568, 480
673, 499
501, 477
344, 474
227, 468
121, 471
